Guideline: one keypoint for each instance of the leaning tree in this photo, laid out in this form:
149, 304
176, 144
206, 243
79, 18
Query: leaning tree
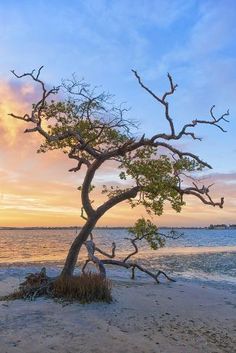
91, 130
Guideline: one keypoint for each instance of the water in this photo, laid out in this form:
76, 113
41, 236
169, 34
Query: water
198, 254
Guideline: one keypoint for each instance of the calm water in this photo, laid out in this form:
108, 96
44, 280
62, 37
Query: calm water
199, 253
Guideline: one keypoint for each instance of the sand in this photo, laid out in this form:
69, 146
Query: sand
144, 318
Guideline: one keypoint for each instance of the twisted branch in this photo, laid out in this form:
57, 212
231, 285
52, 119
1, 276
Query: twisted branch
161, 100
133, 242
173, 136
91, 248
113, 249
199, 193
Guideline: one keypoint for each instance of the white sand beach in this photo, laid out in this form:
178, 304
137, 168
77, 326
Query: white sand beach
144, 318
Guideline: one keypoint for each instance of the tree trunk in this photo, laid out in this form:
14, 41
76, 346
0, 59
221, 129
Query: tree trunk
76, 246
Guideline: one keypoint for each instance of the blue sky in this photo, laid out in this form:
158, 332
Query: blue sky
103, 40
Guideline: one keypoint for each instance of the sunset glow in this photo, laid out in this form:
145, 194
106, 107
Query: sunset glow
37, 189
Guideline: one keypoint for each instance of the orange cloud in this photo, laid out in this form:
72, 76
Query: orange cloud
12, 100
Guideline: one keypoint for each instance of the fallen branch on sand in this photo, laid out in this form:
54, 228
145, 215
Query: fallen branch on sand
100, 263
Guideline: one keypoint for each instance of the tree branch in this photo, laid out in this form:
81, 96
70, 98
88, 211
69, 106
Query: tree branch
199, 193
91, 248
112, 255
81, 160
37, 111
86, 187
128, 194
195, 122
160, 100
183, 132
133, 241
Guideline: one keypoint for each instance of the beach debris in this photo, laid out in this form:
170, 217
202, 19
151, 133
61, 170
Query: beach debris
35, 285
86, 288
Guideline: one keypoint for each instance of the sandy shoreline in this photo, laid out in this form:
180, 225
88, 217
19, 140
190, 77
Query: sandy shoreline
144, 318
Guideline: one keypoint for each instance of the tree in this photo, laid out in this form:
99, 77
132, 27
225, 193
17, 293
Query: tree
91, 130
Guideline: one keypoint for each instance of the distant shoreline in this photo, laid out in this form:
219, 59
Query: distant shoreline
79, 227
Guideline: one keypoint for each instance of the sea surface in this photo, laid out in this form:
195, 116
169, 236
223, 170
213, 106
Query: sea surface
199, 254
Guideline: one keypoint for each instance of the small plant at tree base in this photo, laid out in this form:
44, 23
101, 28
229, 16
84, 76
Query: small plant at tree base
87, 288
91, 130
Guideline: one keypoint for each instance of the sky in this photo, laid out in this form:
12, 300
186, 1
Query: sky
101, 41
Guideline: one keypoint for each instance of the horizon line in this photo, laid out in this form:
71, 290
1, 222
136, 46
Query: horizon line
110, 227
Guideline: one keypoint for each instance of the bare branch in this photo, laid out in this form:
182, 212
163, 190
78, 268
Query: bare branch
183, 154
135, 249
91, 248
172, 88
215, 121
133, 266
25, 117
160, 100
81, 160
201, 193
36, 114
174, 235
133, 241
113, 249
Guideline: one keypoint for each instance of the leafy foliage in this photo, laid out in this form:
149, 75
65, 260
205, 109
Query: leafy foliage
90, 122
95, 124
145, 229
91, 129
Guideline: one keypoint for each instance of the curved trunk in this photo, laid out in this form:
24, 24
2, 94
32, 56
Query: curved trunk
93, 217
72, 256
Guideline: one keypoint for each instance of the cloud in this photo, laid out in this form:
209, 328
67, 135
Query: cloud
14, 98
193, 40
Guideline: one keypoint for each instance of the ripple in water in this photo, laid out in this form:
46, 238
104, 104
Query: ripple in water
200, 253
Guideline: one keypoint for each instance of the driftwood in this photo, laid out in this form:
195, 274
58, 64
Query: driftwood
100, 263
35, 285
